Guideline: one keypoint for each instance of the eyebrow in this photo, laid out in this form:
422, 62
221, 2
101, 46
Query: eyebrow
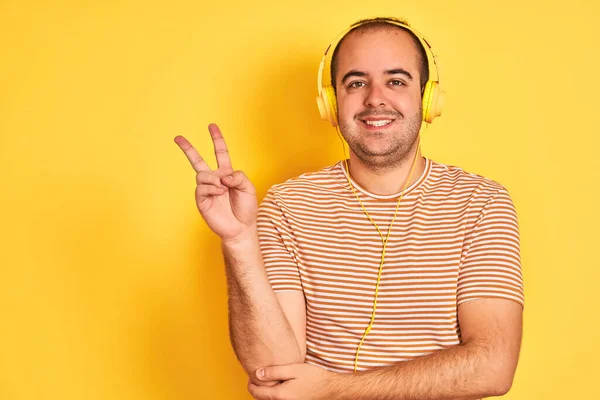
394, 71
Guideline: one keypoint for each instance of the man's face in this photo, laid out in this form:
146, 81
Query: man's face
379, 96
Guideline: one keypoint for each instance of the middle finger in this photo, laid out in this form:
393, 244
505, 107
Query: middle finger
221, 151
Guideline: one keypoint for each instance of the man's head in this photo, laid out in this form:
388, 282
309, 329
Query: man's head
378, 72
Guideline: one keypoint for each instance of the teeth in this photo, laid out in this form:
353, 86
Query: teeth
378, 123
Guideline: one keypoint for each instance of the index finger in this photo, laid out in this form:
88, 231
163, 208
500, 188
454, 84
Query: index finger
192, 154
221, 152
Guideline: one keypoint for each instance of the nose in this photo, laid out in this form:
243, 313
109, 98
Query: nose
375, 97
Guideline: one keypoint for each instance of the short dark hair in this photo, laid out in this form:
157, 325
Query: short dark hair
383, 23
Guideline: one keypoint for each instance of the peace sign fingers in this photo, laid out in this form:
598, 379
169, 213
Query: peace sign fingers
192, 154
228, 206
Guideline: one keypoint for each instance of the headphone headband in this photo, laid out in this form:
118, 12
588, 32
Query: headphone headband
426, 46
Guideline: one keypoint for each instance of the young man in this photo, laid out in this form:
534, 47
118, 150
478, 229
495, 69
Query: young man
390, 276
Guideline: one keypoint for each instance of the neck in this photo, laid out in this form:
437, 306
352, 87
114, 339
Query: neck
386, 181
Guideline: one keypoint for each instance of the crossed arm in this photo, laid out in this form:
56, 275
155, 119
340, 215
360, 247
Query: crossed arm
269, 330
482, 365
265, 329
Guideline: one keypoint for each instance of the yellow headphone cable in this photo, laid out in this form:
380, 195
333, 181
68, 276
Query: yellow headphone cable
384, 241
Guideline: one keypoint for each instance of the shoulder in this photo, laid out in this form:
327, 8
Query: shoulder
308, 184
457, 181
452, 187
301, 192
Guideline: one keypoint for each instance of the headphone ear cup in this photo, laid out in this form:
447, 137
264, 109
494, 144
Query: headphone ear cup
433, 101
327, 105
332, 105
321, 104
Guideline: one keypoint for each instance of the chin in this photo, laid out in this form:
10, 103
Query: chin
391, 154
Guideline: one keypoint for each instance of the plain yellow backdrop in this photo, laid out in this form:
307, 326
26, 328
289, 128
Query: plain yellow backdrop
111, 285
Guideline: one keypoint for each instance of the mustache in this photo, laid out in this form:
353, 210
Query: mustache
377, 113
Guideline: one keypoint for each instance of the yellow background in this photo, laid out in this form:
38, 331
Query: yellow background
111, 285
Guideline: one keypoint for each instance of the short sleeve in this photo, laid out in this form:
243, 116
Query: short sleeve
277, 246
491, 261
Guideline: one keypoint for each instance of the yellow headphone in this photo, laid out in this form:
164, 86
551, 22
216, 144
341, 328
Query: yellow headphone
433, 96
433, 100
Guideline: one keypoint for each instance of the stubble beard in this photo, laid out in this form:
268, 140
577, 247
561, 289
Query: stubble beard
396, 153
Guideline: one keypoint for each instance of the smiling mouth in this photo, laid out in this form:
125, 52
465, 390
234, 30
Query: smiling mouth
377, 123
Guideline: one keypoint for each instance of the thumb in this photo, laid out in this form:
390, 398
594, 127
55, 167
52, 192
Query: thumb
238, 180
277, 373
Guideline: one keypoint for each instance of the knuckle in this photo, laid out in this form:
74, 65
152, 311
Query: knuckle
240, 174
205, 190
204, 177
198, 161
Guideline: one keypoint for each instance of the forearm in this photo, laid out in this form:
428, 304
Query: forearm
260, 333
463, 372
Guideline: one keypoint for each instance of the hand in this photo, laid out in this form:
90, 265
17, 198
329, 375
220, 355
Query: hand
300, 381
225, 198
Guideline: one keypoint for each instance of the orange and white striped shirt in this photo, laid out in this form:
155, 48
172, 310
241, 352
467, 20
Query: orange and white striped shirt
455, 239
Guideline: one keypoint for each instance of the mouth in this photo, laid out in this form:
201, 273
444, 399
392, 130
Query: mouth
376, 124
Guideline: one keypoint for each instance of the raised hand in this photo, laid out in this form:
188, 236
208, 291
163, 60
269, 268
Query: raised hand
225, 198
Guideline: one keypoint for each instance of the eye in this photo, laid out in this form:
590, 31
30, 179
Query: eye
356, 84
396, 82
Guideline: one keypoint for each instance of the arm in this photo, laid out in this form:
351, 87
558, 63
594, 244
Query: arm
226, 199
482, 365
265, 329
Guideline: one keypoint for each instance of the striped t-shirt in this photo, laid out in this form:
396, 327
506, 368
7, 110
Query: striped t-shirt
455, 239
